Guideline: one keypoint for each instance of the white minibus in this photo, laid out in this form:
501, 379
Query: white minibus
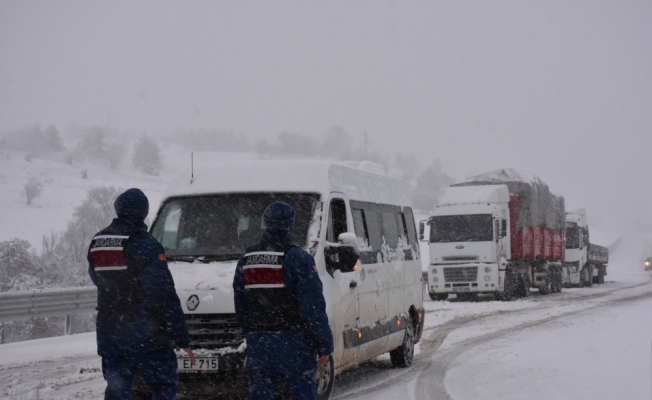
374, 301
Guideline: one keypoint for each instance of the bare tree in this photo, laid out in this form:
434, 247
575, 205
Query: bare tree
147, 156
429, 184
32, 189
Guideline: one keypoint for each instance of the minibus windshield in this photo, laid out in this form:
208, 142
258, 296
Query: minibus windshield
461, 228
220, 227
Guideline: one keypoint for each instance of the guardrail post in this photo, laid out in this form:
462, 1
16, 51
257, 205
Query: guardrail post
68, 328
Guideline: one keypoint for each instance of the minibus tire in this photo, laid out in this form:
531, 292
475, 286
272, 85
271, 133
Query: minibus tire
325, 378
402, 356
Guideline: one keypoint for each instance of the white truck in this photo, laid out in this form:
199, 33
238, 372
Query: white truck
374, 300
501, 232
585, 263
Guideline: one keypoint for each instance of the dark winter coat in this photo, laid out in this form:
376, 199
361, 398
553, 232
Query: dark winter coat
139, 312
297, 348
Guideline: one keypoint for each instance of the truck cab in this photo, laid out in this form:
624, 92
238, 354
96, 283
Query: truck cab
585, 263
469, 242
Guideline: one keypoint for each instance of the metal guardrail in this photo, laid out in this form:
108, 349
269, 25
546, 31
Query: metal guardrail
29, 304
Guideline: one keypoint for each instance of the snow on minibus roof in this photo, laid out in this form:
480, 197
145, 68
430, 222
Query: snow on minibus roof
361, 181
474, 195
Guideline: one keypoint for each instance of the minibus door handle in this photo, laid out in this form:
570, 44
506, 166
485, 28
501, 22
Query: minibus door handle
353, 284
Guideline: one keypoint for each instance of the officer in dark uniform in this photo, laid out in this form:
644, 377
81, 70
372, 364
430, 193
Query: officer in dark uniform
281, 309
139, 320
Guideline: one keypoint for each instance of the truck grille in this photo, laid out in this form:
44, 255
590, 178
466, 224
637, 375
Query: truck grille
214, 331
461, 274
461, 258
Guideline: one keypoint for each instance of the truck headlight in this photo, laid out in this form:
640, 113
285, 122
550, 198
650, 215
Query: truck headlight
487, 270
647, 263
487, 278
435, 279
434, 270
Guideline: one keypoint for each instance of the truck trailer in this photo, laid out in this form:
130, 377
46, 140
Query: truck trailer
502, 232
585, 263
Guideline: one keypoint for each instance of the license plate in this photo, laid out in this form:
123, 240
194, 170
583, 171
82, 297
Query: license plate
201, 364
461, 289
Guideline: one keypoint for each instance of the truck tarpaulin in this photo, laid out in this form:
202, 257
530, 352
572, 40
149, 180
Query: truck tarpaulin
538, 217
539, 207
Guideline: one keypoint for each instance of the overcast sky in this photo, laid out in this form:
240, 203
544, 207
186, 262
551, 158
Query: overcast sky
561, 89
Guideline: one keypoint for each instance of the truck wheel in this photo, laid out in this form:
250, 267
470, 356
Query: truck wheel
402, 356
556, 284
438, 296
589, 274
509, 287
546, 288
523, 287
325, 378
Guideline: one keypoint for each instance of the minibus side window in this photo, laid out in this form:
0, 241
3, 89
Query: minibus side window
373, 229
336, 220
390, 230
411, 229
402, 228
360, 224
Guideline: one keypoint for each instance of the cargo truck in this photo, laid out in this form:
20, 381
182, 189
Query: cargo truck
502, 232
585, 263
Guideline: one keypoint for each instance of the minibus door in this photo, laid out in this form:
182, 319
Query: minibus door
344, 304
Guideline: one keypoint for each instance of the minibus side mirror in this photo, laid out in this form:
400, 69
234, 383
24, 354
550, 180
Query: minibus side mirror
343, 255
422, 230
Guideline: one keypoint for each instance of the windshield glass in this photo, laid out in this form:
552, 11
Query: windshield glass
461, 228
220, 227
573, 238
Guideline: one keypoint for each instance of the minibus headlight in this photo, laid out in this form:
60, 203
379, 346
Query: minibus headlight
434, 270
487, 278
487, 270
435, 279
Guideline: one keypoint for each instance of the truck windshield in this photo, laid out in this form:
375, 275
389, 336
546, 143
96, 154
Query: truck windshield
573, 237
220, 227
461, 228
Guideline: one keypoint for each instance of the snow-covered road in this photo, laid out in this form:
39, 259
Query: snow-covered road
581, 343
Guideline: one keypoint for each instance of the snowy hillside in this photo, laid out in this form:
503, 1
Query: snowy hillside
64, 188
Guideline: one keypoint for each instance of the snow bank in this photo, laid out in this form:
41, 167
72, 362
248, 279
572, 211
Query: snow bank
48, 349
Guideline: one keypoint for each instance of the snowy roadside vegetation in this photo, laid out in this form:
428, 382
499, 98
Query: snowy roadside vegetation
58, 188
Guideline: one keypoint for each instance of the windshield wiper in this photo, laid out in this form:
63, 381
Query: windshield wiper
189, 259
218, 257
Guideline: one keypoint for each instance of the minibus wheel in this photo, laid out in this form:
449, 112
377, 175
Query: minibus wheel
325, 378
402, 356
